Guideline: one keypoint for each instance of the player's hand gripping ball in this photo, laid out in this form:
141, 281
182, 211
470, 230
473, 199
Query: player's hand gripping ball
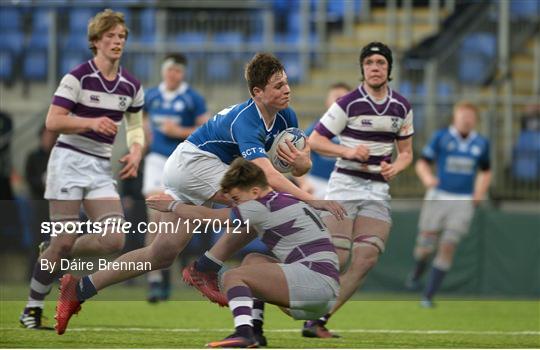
298, 139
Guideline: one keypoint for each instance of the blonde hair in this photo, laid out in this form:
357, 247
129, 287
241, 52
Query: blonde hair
464, 104
103, 22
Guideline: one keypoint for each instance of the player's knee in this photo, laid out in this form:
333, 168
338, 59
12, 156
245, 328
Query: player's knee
60, 249
252, 258
113, 243
364, 259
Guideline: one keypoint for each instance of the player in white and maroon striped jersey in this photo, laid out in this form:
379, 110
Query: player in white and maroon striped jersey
369, 122
86, 110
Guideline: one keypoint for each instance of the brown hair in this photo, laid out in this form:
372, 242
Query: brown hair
103, 22
243, 174
467, 105
260, 69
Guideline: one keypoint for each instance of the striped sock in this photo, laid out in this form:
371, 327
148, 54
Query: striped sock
258, 316
241, 305
40, 286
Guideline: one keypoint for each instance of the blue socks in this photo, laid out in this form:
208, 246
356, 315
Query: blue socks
85, 288
435, 280
206, 264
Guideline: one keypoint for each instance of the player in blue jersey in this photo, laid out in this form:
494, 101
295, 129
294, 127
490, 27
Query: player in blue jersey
173, 111
461, 158
322, 166
192, 175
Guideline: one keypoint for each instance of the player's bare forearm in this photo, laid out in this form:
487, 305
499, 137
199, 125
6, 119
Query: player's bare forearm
405, 154
425, 174
325, 146
58, 120
482, 183
302, 170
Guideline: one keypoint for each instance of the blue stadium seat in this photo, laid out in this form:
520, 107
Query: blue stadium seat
477, 52
12, 41
10, 19
6, 65
405, 88
40, 20
295, 71
231, 40
79, 17
219, 67
444, 89
143, 66
71, 59
524, 8
148, 20
526, 156
35, 65
39, 40
191, 38
51, 2
74, 41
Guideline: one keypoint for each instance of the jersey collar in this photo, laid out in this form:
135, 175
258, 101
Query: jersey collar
454, 132
169, 95
268, 129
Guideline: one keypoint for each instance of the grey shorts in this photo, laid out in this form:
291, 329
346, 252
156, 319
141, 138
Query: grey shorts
311, 294
446, 213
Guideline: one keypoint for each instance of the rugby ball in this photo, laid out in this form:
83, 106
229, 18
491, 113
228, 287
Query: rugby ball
298, 139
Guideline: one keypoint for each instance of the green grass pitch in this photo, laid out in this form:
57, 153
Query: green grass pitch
371, 321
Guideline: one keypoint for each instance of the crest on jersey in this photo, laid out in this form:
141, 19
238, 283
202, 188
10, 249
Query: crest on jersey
475, 150
123, 101
179, 106
395, 123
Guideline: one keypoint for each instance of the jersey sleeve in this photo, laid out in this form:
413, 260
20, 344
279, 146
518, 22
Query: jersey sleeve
431, 150
333, 122
138, 101
67, 93
249, 138
407, 129
484, 162
251, 212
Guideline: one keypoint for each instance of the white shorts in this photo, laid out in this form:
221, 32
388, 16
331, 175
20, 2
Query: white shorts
320, 185
450, 213
72, 175
360, 197
311, 294
191, 175
153, 173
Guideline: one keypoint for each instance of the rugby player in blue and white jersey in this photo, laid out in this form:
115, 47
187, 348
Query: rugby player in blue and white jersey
462, 161
173, 110
303, 277
193, 172
369, 122
86, 110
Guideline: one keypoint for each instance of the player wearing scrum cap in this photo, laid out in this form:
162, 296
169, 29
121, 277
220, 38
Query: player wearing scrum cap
86, 110
368, 122
173, 110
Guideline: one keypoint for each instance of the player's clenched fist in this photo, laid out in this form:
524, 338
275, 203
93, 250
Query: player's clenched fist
388, 171
360, 152
104, 125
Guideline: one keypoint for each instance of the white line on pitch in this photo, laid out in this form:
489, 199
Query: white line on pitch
293, 330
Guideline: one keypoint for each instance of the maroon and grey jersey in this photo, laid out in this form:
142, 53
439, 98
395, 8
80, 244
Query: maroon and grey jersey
292, 230
358, 120
87, 94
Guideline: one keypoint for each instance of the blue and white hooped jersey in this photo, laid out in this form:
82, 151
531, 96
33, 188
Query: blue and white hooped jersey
457, 159
182, 106
239, 130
